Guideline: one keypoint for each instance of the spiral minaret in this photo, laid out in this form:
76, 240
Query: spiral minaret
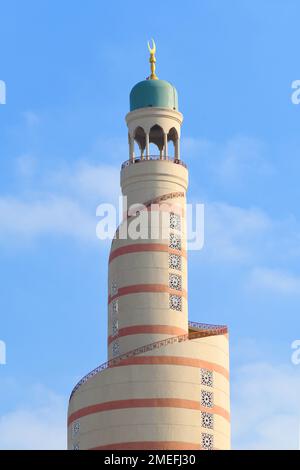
166, 382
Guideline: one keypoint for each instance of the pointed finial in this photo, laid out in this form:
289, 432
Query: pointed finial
152, 60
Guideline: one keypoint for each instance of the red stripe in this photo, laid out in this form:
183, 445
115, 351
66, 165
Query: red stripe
146, 403
142, 247
148, 329
153, 288
173, 360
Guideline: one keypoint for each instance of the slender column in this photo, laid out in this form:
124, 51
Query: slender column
177, 149
131, 149
165, 146
147, 146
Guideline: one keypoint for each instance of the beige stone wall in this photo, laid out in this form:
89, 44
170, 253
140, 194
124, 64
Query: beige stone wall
148, 179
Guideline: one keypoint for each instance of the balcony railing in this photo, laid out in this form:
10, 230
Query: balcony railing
153, 157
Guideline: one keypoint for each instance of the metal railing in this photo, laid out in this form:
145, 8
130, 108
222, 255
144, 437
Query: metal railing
207, 326
153, 157
204, 330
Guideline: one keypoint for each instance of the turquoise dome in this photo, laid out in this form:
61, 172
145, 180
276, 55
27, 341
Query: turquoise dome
156, 93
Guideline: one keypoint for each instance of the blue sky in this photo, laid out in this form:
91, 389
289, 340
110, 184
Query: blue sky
68, 73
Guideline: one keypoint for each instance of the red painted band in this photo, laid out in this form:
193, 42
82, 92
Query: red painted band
143, 247
146, 403
141, 288
148, 329
174, 360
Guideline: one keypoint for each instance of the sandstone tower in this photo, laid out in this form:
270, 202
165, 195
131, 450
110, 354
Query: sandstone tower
166, 382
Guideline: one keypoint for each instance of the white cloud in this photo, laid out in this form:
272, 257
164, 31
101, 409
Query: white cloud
51, 215
63, 201
275, 280
97, 182
265, 407
232, 233
231, 164
249, 236
239, 158
38, 425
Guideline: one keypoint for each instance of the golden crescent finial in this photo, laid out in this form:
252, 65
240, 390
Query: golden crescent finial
152, 49
152, 60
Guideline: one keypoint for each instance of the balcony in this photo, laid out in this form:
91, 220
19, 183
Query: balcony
151, 158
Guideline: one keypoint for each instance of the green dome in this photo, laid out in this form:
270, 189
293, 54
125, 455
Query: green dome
156, 93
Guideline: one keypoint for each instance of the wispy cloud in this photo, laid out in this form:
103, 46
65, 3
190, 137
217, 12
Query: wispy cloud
241, 156
274, 280
51, 215
248, 236
38, 425
231, 163
265, 407
59, 202
232, 233
99, 183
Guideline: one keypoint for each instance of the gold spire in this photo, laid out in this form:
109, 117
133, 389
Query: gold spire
152, 60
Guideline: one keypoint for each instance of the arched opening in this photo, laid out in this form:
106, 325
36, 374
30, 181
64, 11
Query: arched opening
153, 150
136, 150
173, 137
140, 139
156, 137
143, 145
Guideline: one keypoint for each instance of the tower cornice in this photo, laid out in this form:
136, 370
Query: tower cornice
154, 111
